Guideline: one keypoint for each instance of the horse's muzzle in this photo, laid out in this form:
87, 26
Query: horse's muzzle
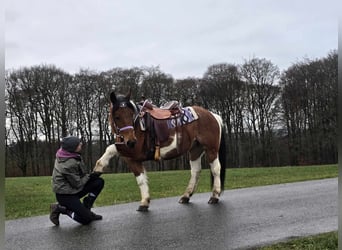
131, 143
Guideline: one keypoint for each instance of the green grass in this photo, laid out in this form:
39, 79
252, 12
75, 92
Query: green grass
317, 242
30, 196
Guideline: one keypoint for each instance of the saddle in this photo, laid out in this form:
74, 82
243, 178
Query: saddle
157, 120
166, 111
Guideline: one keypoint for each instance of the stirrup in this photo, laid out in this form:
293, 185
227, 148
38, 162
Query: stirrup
157, 153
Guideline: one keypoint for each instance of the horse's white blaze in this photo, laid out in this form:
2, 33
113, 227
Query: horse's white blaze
195, 172
143, 185
104, 160
169, 148
215, 168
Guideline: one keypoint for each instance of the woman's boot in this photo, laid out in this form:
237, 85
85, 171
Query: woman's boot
55, 211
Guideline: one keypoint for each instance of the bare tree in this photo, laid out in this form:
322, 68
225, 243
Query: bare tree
261, 75
265, 123
157, 86
23, 119
309, 99
223, 91
187, 91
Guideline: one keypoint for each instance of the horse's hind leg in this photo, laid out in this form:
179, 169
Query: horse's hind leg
215, 168
195, 173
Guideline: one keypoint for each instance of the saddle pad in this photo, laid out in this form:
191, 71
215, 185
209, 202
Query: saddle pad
188, 115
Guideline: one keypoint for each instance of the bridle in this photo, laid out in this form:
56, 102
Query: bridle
119, 139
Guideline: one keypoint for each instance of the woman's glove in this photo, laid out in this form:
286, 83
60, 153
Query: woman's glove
94, 175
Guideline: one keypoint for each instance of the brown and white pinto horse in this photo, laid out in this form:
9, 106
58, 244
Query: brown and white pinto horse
202, 135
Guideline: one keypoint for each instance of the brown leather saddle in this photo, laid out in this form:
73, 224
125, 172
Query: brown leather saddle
167, 111
156, 121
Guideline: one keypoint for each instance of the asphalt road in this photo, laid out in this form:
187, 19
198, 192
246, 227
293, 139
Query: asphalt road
243, 219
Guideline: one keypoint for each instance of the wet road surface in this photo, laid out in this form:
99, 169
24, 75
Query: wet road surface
244, 218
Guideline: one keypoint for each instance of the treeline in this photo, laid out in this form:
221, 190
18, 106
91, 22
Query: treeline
272, 118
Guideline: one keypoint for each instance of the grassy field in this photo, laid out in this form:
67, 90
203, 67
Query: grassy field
31, 196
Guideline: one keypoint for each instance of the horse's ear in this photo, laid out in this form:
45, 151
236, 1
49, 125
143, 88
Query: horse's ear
113, 97
128, 96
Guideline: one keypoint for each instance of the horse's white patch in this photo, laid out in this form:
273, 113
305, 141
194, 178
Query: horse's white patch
195, 173
172, 146
143, 185
219, 121
104, 160
215, 167
196, 164
111, 150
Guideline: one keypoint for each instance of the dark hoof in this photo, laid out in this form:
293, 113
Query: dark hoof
142, 209
213, 200
184, 200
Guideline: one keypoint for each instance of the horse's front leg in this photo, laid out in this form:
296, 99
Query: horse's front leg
142, 182
140, 174
104, 160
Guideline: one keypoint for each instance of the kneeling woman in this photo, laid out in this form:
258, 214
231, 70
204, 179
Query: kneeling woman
71, 182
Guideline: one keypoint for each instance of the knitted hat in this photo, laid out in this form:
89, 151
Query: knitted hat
70, 143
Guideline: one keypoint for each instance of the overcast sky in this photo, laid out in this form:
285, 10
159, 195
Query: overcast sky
182, 37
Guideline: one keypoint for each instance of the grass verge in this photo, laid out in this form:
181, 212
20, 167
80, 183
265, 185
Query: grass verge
327, 241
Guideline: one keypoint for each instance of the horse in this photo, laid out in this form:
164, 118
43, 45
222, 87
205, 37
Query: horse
144, 132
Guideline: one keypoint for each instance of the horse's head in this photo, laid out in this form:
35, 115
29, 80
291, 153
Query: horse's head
122, 116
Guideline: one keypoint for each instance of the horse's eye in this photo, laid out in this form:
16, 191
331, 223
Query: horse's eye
117, 118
